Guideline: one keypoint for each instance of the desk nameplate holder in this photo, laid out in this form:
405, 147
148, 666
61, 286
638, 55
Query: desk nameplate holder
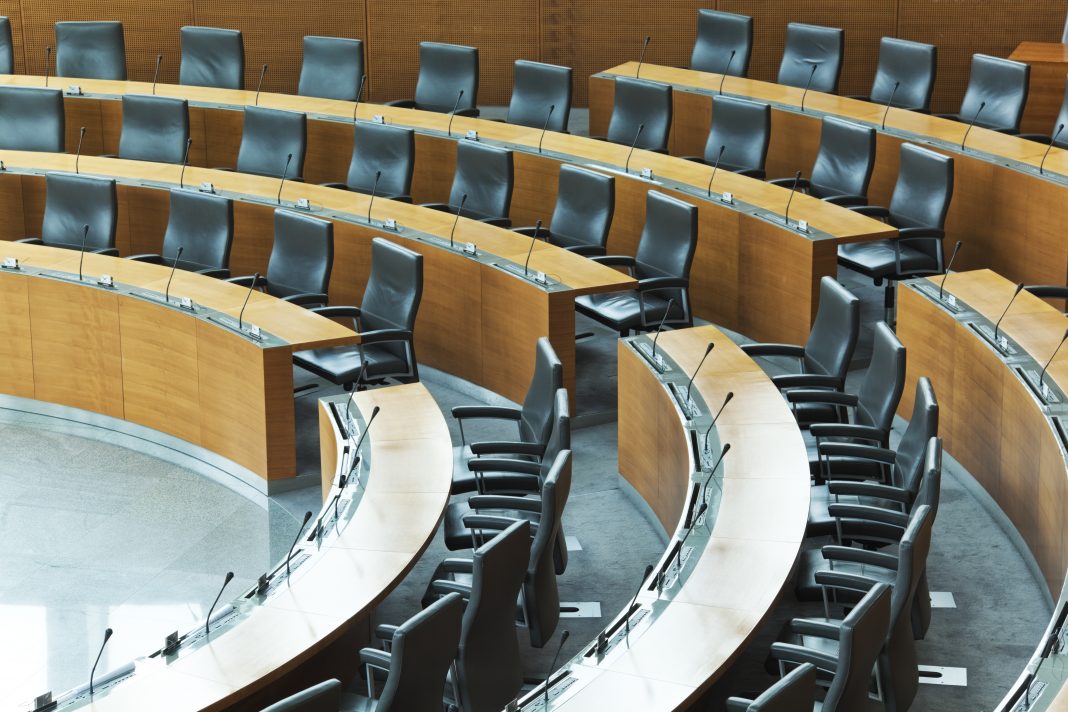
948, 301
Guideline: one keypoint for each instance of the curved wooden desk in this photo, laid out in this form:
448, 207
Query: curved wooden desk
750, 272
1009, 218
684, 636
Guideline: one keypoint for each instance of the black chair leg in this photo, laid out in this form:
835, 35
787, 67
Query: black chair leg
889, 303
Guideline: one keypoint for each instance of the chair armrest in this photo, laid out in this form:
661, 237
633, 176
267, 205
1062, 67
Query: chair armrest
216, 272
31, 241
338, 312
402, 103
375, 658
381, 336
456, 565
505, 447
463, 412
927, 233
872, 211
868, 489
473, 112
757, 173
615, 260
846, 430
652, 284
586, 250
738, 704
108, 251
247, 281
696, 159
491, 523
1006, 130
843, 579
859, 97
848, 400
847, 200
817, 628
227, 169
1040, 138
806, 380
497, 222
306, 298
850, 554
399, 198
444, 207
337, 186
856, 451
440, 587
150, 258
528, 230
869, 514
488, 501
799, 654
773, 350
802, 183
495, 464
385, 632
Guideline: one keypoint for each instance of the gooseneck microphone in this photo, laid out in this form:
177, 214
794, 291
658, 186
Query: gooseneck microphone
711, 472
81, 250
728, 399
1019, 288
48, 62
259, 84
942, 284
359, 93
155, 74
167, 291
563, 639
185, 162
689, 386
971, 124
648, 570
545, 127
1041, 376
888, 105
786, 217
285, 171
641, 57
723, 77
452, 114
241, 314
92, 673
374, 189
812, 74
78, 155
226, 582
458, 211
715, 168
1042, 165
637, 135
660, 326
359, 443
307, 518
533, 240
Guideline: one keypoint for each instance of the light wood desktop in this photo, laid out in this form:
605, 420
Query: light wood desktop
1049, 69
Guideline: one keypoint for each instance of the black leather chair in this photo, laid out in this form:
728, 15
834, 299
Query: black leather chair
1000, 87
640, 104
918, 210
385, 321
212, 57
1048, 291
381, 148
823, 361
1057, 135
324, 697
73, 202
843, 164
417, 657
742, 129
267, 139
486, 175
585, 203
332, 68
444, 71
90, 50
661, 266
301, 259
724, 43
535, 88
32, 119
905, 73
202, 225
809, 46
795, 691
7, 53
154, 128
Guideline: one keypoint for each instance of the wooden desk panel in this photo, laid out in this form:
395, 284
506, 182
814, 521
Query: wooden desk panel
16, 352
1049, 66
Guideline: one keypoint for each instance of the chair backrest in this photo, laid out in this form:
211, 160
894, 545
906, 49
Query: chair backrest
73, 201
909, 66
422, 651
445, 70
268, 137
641, 103
201, 224
212, 57
394, 290
923, 191
585, 204
536, 422
911, 452
1002, 84
834, 334
541, 597
795, 692
90, 50
154, 128
535, 88
489, 669
332, 68
668, 238
302, 255
381, 147
882, 386
32, 119
863, 633
930, 492
845, 159
809, 46
7, 53
743, 129
718, 35
486, 175
324, 697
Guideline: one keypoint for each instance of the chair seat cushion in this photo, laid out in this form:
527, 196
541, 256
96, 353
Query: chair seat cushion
812, 561
877, 259
342, 364
621, 311
458, 536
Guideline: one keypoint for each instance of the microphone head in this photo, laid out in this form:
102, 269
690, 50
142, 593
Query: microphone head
378, 174
1019, 288
564, 636
460, 95
1059, 129
307, 517
641, 127
374, 411
81, 132
552, 108
725, 450
289, 157
701, 510
229, 577
537, 226
729, 398
648, 39
85, 230
648, 570
463, 199
708, 349
797, 176
107, 634
957, 246
180, 251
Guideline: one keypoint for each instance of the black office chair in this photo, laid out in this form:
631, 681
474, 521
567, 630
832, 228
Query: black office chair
7, 53
385, 150
996, 94
417, 656
267, 139
486, 175
742, 130
90, 50
640, 105
537, 87
444, 71
385, 321
302, 257
324, 697
1048, 291
212, 57
332, 68
661, 266
1058, 136
905, 74
202, 225
154, 128
795, 691
724, 43
823, 361
32, 119
585, 203
918, 209
809, 46
73, 202
843, 166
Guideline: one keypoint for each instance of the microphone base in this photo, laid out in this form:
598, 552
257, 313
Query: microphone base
1001, 343
465, 248
528, 275
1040, 386
657, 362
946, 301
249, 331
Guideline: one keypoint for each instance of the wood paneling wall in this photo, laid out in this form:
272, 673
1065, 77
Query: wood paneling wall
588, 36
